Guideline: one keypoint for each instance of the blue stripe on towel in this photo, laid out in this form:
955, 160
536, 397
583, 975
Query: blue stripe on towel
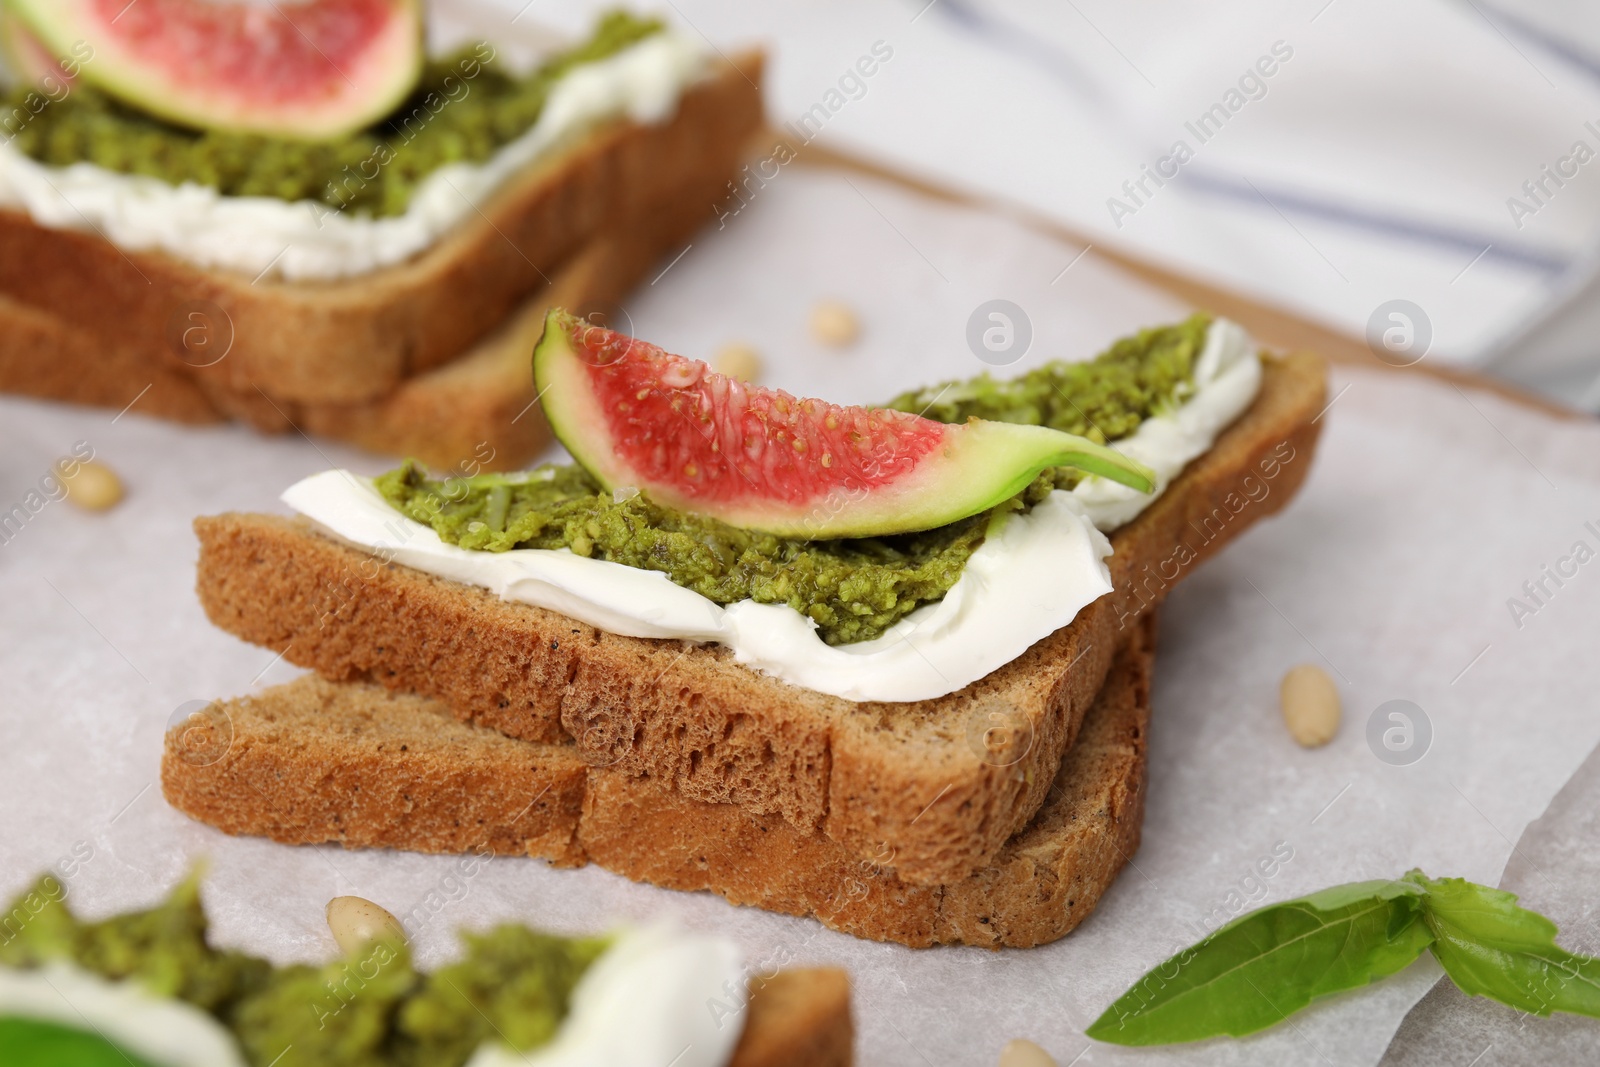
1014, 40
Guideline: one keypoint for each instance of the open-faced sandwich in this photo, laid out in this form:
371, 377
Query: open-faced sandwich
291, 215
148, 989
886, 666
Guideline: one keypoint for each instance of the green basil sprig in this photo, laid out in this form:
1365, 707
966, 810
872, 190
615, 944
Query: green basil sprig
1267, 964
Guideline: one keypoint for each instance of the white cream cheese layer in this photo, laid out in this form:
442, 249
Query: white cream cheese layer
647, 1002
1227, 377
263, 236
1022, 584
161, 1030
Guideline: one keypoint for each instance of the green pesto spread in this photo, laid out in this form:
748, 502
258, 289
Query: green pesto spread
852, 589
1104, 399
463, 109
372, 1009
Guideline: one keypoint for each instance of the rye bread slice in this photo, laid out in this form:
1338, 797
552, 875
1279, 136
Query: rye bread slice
480, 408
315, 761
477, 409
44, 356
914, 778
345, 341
465, 408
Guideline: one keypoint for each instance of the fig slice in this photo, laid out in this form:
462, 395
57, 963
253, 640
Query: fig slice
310, 70
636, 416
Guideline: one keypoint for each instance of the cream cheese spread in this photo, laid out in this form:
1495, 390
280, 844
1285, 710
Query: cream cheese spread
1227, 377
1027, 581
303, 240
1022, 584
649, 1001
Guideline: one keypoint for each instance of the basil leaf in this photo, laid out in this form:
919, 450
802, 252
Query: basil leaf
41, 1043
1492, 948
1265, 965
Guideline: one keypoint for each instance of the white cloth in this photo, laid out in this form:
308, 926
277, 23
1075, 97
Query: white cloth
1377, 163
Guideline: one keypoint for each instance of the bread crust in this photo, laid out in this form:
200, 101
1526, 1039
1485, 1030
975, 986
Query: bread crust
315, 761
907, 779
479, 411
350, 340
475, 412
42, 356
1039, 886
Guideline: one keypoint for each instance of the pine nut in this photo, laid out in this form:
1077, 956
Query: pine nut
1310, 704
93, 486
1023, 1053
739, 361
356, 922
834, 324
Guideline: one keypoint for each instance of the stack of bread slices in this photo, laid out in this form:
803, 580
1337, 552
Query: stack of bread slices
426, 357
440, 718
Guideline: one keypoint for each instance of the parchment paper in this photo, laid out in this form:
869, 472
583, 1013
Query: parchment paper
1553, 870
1427, 509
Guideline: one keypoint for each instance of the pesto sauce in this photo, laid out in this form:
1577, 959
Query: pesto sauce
853, 589
463, 110
1103, 399
369, 1010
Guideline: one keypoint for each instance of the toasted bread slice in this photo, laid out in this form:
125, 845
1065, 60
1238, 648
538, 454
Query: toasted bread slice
316, 761
480, 408
482, 401
477, 409
908, 777
44, 356
351, 340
